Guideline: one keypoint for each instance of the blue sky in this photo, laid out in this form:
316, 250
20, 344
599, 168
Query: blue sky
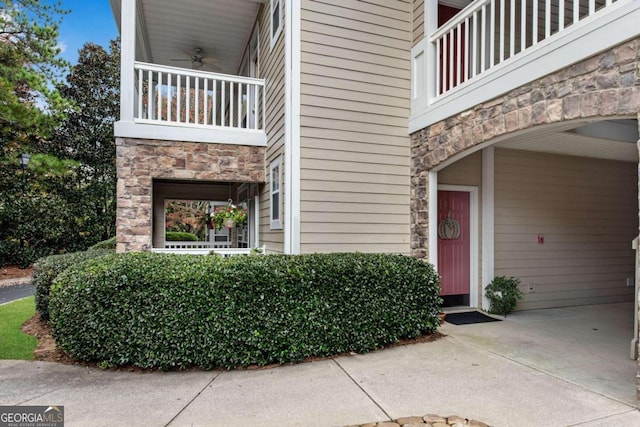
89, 21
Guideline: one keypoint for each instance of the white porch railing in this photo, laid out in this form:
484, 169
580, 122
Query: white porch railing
195, 245
489, 32
224, 252
187, 98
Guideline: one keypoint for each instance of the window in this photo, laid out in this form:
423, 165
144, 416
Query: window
276, 199
276, 20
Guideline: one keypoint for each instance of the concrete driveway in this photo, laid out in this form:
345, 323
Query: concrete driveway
520, 372
588, 346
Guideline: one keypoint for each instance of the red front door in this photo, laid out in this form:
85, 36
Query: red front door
454, 242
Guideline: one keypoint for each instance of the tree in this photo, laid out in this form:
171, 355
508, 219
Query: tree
86, 134
29, 70
31, 209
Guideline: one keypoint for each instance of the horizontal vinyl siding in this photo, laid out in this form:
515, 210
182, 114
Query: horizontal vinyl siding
271, 67
418, 21
355, 79
468, 172
587, 210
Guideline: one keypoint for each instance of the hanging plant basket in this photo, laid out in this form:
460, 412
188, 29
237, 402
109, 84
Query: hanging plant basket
228, 216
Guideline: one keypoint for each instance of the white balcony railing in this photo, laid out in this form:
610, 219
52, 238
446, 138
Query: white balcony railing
489, 32
494, 46
188, 98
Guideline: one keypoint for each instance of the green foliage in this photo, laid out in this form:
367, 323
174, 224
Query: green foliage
86, 134
29, 109
47, 269
166, 311
105, 244
180, 236
15, 344
503, 292
34, 224
29, 70
65, 200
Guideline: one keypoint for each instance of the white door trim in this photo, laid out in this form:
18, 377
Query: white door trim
473, 230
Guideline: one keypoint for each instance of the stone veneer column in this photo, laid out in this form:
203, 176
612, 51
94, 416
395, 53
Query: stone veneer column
140, 161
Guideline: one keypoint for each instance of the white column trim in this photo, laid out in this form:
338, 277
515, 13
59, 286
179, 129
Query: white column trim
127, 59
292, 128
432, 195
430, 26
488, 220
473, 241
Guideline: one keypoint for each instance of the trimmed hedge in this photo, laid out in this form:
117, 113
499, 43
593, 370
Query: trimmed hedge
165, 311
180, 236
105, 244
48, 268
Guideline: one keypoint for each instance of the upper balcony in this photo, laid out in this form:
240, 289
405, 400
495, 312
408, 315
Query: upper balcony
188, 71
491, 47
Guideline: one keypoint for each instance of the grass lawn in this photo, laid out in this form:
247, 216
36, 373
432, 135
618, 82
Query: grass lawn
15, 344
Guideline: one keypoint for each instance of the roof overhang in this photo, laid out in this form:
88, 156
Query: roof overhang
167, 31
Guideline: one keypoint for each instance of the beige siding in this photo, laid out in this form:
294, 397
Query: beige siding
417, 19
468, 172
271, 68
587, 211
355, 79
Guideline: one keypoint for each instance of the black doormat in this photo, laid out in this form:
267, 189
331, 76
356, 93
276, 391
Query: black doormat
468, 318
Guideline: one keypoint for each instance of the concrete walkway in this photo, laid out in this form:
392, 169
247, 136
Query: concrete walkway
466, 374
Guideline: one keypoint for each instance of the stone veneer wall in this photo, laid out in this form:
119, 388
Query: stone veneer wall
140, 161
606, 85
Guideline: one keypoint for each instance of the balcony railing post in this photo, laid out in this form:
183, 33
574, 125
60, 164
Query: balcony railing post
127, 60
432, 65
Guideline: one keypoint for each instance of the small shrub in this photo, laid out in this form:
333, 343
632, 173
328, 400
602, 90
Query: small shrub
11, 253
48, 268
180, 236
164, 311
105, 244
503, 292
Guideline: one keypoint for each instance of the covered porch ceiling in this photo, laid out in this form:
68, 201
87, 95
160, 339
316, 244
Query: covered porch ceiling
169, 31
606, 139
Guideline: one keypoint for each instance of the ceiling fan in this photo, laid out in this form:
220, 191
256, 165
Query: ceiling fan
199, 61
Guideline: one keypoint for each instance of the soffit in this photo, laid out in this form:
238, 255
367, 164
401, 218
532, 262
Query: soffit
173, 29
566, 141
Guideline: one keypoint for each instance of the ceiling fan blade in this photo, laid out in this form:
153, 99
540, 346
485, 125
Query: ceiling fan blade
210, 67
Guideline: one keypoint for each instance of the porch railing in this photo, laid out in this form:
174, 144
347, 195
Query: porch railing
195, 245
180, 97
489, 32
224, 252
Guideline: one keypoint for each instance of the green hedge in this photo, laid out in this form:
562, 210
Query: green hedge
105, 244
180, 236
48, 268
164, 311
